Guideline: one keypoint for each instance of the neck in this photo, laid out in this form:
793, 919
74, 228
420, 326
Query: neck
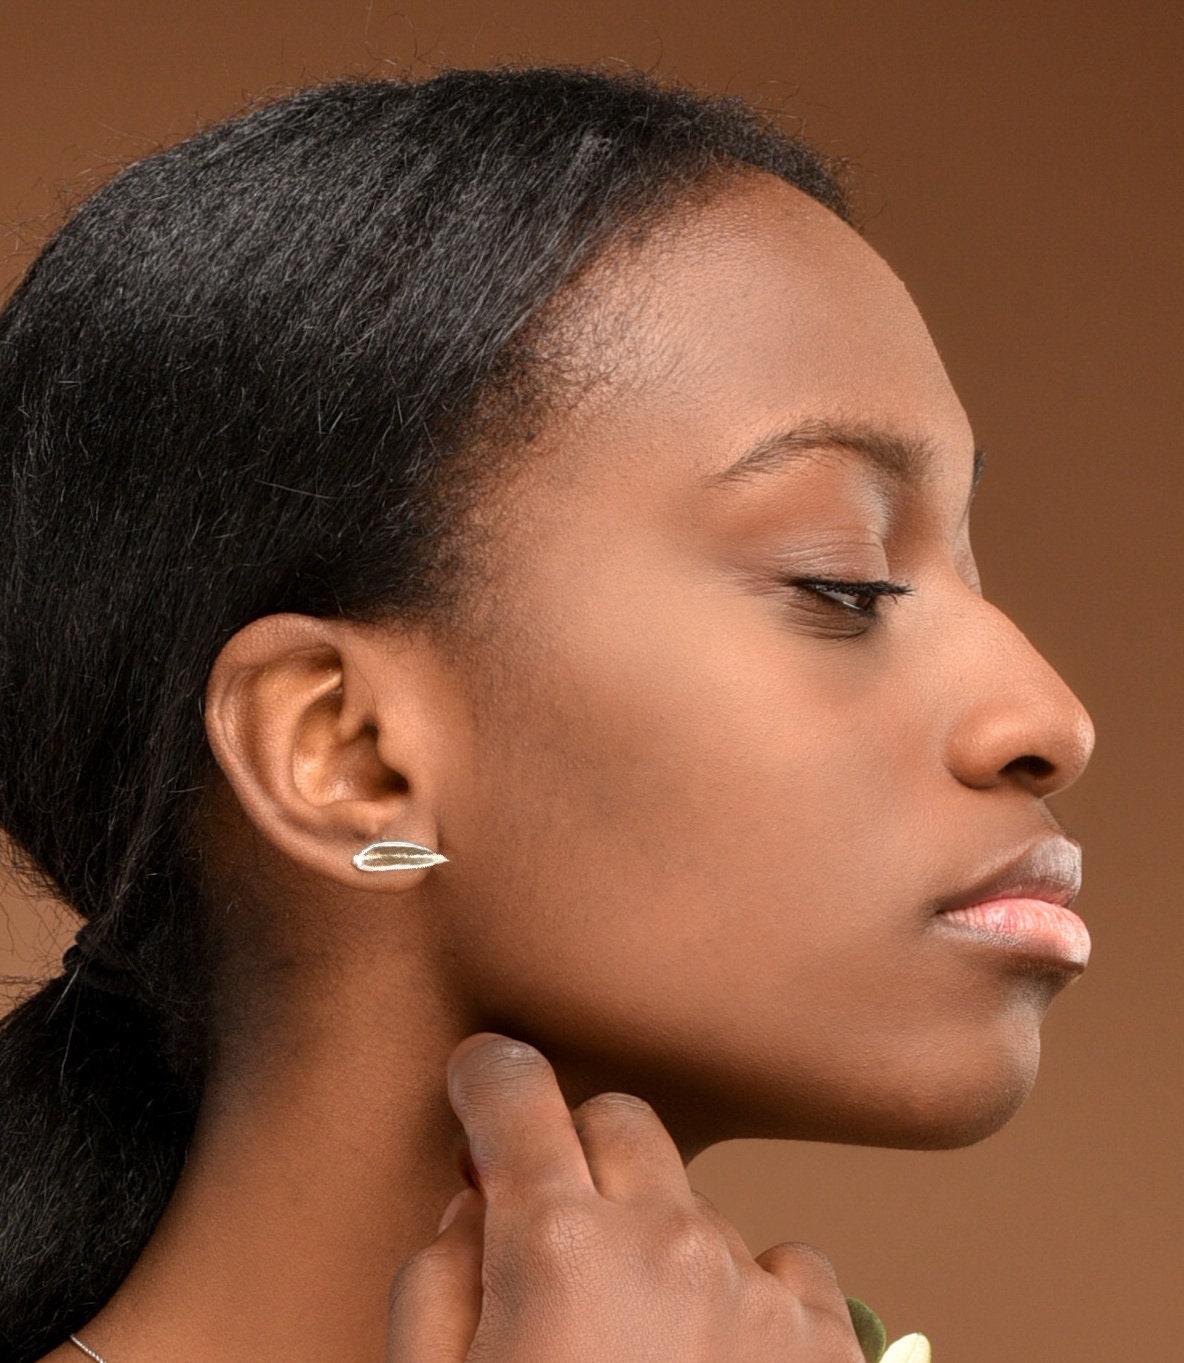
307, 1185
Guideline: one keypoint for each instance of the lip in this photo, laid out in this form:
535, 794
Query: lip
1022, 907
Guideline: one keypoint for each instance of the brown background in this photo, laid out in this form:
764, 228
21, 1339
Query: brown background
1022, 165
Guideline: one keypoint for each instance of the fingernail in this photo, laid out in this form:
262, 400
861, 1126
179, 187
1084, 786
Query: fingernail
452, 1210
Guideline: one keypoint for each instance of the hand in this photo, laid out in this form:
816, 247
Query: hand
585, 1242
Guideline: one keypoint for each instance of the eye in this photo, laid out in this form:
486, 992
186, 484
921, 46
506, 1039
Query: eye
861, 599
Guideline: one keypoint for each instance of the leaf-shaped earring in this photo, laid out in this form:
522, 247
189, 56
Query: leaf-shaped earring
396, 856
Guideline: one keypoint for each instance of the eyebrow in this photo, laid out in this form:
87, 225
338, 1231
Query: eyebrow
902, 458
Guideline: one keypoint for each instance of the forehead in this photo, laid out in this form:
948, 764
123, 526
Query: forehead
758, 312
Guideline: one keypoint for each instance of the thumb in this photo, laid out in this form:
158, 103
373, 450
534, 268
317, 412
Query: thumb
435, 1299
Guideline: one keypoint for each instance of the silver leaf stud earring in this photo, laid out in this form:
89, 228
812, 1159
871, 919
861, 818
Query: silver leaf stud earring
396, 856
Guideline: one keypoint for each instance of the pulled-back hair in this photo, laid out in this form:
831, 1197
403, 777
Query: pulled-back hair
239, 381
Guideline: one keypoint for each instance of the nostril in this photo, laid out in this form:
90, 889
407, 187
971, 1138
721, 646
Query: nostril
1037, 768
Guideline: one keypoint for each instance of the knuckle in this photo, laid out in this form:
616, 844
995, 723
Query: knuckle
559, 1234
712, 1215
545, 1258
695, 1252
807, 1260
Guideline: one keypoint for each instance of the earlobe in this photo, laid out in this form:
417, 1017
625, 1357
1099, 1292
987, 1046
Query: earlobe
294, 722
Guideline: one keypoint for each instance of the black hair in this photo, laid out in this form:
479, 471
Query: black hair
238, 381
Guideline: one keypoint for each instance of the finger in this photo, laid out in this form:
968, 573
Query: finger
810, 1277
521, 1138
809, 1274
435, 1299
630, 1154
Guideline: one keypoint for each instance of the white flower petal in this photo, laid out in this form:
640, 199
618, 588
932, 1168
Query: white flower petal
908, 1349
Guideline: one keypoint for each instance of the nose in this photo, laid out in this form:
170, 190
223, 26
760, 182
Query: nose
1016, 721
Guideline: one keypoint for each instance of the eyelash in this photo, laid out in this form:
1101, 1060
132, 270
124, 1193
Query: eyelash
830, 589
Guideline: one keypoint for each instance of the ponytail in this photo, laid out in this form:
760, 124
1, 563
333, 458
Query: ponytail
95, 1124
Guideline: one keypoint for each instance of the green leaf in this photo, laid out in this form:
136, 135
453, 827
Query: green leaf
869, 1329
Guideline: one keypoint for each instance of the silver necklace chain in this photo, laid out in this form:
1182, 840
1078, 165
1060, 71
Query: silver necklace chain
86, 1349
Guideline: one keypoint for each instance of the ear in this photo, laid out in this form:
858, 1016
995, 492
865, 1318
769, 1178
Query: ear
326, 731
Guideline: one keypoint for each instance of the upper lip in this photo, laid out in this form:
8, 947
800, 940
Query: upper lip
1048, 870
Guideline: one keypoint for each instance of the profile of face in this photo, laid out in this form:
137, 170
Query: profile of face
738, 723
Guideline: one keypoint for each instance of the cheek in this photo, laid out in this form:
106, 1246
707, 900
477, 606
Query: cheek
693, 822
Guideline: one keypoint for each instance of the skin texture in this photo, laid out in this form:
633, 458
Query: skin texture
699, 818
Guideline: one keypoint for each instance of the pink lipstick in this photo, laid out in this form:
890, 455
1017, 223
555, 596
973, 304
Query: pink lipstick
1040, 929
1023, 907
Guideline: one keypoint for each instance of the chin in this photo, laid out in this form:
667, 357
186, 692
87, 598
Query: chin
942, 1108
948, 1110
959, 1122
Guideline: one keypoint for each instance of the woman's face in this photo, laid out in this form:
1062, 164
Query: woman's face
710, 807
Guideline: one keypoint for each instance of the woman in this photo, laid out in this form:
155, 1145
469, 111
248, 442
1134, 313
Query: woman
487, 577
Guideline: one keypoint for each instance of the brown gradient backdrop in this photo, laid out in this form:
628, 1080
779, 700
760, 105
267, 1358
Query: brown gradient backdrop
1022, 167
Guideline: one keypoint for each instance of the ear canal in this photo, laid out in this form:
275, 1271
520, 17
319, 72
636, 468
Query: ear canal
396, 856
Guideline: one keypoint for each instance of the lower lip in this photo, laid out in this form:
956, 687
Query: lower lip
1034, 927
